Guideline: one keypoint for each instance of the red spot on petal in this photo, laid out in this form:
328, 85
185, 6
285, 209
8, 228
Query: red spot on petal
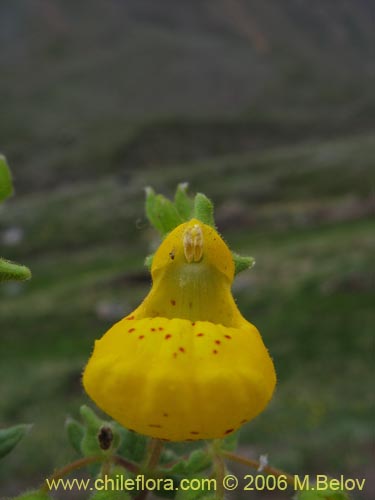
168, 336
243, 421
228, 431
200, 334
165, 415
214, 351
193, 323
131, 330
153, 329
173, 302
160, 328
217, 342
130, 317
194, 432
141, 337
181, 349
175, 354
227, 336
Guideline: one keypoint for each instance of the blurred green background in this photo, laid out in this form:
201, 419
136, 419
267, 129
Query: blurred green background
266, 107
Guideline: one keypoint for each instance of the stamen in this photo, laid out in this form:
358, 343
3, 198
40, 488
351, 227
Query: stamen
193, 243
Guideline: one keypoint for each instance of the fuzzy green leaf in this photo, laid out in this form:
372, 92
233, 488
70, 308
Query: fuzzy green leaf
183, 203
90, 418
75, 432
133, 446
6, 187
242, 263
11, 436
204, 209
148, 261
11, 271
161, 212
198, 461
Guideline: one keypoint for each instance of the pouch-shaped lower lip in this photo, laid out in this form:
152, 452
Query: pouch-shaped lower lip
177, 379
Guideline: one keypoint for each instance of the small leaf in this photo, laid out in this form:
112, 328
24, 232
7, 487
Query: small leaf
133, 446
161, 212
183, 203
90, 418
11, 271
242, 263
75, 433
204, 209
11, 436
198, 461
6, 188
148, 260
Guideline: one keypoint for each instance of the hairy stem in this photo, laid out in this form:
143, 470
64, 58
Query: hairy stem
83, 462
152, 460
67, 469
219, 466
256, 465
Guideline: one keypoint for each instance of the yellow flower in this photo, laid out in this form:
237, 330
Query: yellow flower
185, 365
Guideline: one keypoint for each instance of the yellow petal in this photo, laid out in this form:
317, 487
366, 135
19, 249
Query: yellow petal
179, 380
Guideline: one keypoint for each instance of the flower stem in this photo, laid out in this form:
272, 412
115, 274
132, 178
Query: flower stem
256, 465
67, 469
126, 464
155, 450
219, 467
83, 462
152, 460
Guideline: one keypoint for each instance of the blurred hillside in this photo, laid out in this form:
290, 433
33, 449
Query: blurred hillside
268, 108
103, 83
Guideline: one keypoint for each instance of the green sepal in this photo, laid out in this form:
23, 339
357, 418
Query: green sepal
198, 461
75, 432
133, 446
161, 212
11, 271
242, 263
11, 436
204, 209
183, 203
321, 494
91, 420
6, 186
148, 260
33, 495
